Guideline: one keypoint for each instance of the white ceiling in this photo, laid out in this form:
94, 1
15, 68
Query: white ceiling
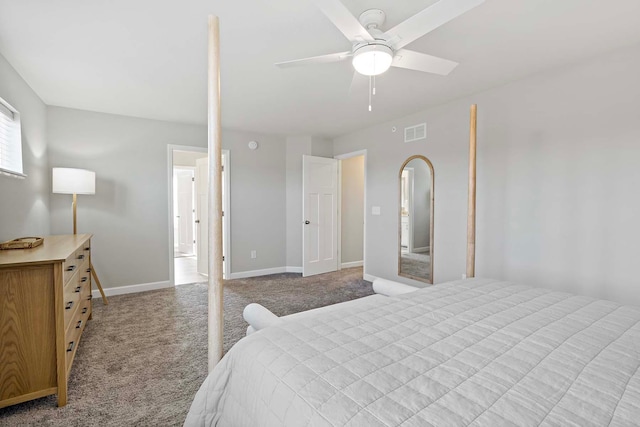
147, 58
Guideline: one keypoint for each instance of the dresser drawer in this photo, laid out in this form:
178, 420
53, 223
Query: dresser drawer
73, 263
71, 302
69, 268
74, 333
82, 275
72, 339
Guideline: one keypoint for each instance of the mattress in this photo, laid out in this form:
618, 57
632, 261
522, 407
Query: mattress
474, 352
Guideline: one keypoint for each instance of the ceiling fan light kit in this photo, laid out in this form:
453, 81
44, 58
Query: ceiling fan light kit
372, 59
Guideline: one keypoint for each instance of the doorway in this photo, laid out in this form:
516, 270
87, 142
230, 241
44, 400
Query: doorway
352, 208
188, 203
334, 206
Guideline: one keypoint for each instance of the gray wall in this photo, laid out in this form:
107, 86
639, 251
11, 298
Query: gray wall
128, 215
129, 212
557, 180
24, 206
258, 196
187, 158
352, 203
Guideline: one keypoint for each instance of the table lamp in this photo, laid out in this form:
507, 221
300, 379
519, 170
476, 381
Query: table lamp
76, 181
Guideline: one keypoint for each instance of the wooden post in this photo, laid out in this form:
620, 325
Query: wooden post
471, 213
75, 205
215, 198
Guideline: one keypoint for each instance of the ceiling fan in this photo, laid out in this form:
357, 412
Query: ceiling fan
374, 51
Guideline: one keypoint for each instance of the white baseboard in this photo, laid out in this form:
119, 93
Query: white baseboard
264, 272
352, 264
131, 289
369, 277
422, 249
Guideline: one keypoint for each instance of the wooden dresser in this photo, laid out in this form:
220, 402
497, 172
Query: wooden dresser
45, 302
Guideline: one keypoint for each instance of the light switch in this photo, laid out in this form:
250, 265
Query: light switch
375, 210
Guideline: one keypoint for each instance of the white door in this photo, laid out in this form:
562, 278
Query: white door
320, 215
202, 209
184, 193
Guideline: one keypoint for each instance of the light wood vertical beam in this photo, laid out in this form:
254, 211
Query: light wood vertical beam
215, 198
471, 212
75, 211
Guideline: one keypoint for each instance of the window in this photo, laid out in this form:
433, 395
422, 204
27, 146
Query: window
10, 141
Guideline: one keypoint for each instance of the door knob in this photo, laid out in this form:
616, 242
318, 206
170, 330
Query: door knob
307, 223
197, 221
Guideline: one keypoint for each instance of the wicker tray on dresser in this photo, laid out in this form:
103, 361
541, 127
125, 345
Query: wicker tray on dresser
45, 302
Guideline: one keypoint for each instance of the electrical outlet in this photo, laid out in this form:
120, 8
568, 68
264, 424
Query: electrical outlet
253, 254
464, 276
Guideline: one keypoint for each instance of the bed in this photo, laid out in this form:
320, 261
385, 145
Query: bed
473, 352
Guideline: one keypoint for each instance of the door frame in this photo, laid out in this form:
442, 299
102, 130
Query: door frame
341, 157
226, 202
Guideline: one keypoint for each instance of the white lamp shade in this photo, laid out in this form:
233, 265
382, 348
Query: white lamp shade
73, 181
372, 59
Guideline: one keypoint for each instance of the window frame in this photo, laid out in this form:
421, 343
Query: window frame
17, 139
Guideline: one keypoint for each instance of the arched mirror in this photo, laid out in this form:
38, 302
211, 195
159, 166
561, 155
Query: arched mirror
415, 240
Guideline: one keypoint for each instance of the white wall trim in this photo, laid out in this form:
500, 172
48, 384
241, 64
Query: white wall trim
352, 264
369, 277
132, 289
265, 272
422, 249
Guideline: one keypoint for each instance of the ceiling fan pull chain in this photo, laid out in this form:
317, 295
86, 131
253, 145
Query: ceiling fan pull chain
374, 76
369, 93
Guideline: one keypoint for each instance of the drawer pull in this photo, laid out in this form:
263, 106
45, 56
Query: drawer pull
69, 305
79, 324
71, 345
89, 270
71, 268
84, 279
89, 297
81, 256
84, 310
78, 289
88, 248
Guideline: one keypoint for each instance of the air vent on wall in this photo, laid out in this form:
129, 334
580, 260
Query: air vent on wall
414, 133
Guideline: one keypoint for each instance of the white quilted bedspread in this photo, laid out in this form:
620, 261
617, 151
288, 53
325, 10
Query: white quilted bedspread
475, 352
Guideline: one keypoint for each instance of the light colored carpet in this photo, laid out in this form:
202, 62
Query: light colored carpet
143, 357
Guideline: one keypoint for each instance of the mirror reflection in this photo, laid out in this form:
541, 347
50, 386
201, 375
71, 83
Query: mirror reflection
416, 219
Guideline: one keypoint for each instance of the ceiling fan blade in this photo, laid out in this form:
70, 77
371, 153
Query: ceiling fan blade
411, 60
322, 59
344, 20
359, 86
428, 20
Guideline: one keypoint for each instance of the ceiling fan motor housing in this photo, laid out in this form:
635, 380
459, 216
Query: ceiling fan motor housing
372, 18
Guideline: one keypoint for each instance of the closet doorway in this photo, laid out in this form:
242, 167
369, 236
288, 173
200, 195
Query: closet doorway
352, 209
188, 219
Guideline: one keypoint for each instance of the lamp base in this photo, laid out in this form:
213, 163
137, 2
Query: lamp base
95, 277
